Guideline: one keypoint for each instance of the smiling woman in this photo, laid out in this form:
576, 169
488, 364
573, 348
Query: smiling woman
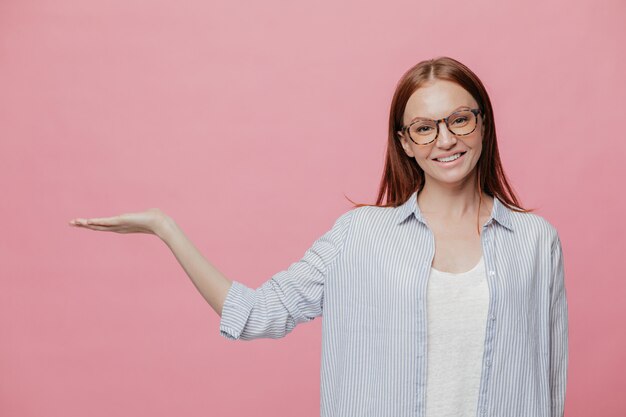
448, 299
395, 343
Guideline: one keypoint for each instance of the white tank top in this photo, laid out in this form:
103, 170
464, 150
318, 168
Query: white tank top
457, 318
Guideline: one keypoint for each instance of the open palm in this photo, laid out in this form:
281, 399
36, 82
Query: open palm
139, 222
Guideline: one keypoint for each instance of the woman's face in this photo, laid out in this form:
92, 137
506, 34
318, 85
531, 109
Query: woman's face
437, 100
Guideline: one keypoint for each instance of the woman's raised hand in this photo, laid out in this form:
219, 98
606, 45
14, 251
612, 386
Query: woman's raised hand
211, 283
141, 222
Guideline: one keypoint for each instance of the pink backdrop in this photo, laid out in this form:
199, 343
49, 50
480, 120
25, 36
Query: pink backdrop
247, 122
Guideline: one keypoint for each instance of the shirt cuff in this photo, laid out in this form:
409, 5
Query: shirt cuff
236, 310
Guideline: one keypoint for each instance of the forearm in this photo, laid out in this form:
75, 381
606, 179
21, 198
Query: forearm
211, 283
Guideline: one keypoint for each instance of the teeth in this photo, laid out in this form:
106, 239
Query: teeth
449, 158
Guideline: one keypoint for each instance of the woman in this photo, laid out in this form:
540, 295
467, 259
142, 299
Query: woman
448, 300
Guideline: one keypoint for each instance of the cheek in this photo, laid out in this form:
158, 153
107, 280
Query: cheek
421, 153
422, 157
478, 146
478, 151
423, 163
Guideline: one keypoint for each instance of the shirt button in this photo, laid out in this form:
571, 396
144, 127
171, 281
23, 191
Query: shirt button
492, 317
492, 272
488, 362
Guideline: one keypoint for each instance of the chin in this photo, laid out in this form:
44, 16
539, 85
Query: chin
451, 178
452, 181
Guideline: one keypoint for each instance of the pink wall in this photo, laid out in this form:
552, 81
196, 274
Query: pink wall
247, 122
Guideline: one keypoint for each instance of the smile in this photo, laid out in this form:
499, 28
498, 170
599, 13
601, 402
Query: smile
451, 158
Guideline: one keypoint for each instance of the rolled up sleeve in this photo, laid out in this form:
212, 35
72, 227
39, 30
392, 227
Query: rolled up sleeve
558, 332
290, 297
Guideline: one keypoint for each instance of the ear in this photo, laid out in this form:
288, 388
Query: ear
405, 144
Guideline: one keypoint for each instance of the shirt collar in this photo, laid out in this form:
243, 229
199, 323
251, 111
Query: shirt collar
499, 212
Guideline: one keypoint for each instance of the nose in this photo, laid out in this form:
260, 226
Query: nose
445, 139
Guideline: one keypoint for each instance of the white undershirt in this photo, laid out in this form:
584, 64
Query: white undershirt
457, 318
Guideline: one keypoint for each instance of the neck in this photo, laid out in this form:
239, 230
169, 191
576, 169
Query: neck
453, 202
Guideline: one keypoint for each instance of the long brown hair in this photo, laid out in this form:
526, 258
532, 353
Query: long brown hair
402, 175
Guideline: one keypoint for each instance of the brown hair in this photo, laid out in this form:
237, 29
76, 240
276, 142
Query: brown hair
402, 175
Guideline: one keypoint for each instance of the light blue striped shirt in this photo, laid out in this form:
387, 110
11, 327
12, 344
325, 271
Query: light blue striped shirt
368, 275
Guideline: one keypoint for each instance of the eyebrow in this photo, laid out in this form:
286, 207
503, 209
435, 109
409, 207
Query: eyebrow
453, 111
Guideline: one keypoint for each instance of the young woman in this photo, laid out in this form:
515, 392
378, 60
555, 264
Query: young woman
447, 300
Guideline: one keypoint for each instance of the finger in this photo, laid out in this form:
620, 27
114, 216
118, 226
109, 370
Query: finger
96, 227
104, 221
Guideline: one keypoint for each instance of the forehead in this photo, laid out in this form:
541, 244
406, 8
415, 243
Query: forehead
436, 100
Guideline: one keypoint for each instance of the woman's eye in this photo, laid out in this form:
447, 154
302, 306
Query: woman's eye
460, 119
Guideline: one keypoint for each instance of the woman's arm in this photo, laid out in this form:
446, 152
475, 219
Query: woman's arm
211, 283
289, 297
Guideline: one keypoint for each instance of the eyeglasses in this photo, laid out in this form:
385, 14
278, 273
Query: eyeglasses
424, 131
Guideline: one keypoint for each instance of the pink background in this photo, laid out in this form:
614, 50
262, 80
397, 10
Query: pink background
247, 122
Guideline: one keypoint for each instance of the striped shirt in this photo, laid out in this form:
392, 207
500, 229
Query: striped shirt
368, 275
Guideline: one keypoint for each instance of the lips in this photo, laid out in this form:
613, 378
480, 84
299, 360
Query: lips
450, 154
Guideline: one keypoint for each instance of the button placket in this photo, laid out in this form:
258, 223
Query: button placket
489, 250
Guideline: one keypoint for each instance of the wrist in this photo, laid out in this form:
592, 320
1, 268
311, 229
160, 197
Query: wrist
164, 227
